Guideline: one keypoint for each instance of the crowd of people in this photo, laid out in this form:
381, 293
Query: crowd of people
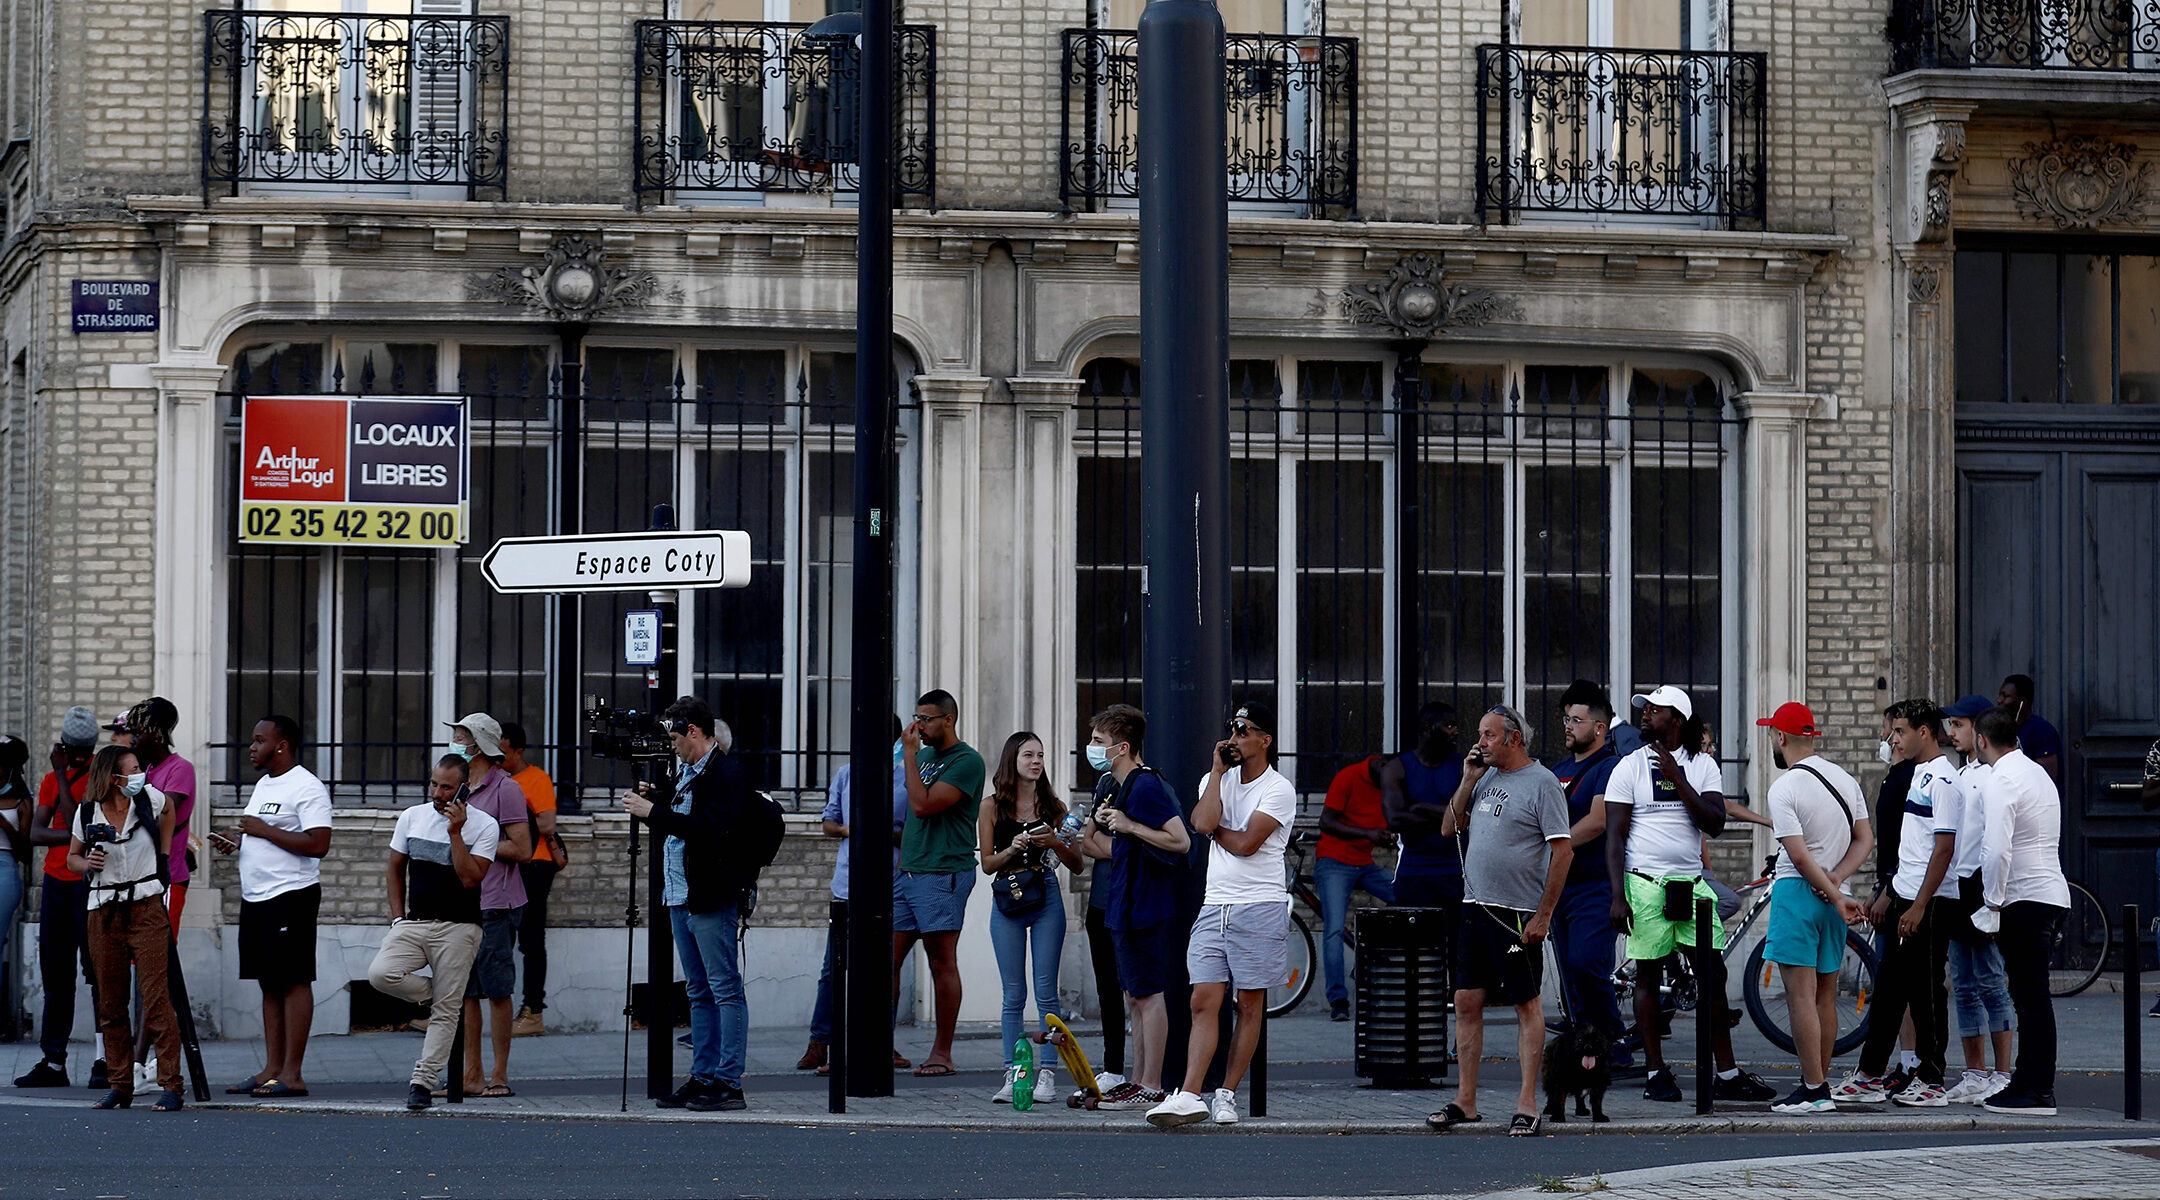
1188, 903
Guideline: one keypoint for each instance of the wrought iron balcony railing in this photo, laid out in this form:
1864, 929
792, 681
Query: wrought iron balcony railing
1292, 107
336, 100
2032, 35
745, 107
1664, 133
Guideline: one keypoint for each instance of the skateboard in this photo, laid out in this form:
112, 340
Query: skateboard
1076, 1064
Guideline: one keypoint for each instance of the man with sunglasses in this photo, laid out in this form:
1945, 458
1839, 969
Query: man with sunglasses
1242, 936
1513, 870
1660, 803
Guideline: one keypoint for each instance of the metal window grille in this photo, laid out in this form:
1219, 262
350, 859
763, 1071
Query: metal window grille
2041, 35
355, 100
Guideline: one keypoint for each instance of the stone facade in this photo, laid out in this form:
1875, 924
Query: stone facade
1825, 327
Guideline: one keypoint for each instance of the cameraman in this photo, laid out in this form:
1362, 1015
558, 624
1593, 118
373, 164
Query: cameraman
701, 810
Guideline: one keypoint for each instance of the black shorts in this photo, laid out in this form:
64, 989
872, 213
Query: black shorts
1490, 956
1143, 958
277, 937
494, 971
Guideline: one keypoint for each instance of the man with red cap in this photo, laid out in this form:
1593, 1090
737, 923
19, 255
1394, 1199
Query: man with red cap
1820, 820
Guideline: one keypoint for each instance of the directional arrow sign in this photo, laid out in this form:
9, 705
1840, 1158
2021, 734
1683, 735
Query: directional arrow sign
620, 562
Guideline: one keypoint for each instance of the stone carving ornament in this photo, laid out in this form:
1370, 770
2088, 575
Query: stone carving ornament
1418, 302
2080, 181
571, 283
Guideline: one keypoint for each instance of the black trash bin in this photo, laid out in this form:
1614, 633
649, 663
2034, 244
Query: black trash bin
1403, 988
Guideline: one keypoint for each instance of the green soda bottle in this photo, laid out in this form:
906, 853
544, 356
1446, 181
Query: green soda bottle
1023, 1075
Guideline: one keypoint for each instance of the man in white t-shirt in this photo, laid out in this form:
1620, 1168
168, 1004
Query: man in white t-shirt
1661, 801
283, 834
1979, 986
1915, 927
1242, 938
1819, 817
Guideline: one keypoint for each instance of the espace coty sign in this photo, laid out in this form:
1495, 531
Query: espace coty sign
360, 471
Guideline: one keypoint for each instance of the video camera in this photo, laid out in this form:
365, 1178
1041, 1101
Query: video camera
627, 736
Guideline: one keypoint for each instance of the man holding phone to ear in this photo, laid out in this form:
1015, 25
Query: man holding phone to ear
1661, 802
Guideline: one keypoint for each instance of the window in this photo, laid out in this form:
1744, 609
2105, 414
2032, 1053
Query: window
369, 648
1567, 528
2048, 327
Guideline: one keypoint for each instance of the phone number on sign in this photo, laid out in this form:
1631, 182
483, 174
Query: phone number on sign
351, 524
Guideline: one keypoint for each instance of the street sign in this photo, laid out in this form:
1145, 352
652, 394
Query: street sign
116, 305
353, 470
641, 638
620, 562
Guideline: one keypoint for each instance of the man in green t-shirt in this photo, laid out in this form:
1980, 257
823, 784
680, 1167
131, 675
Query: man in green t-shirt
937, 858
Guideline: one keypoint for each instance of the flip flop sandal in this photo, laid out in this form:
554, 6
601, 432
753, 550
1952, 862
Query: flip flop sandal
496, 1091
933, 1071
900, 1063
1524, 1125
245, 1087
275, 1090
1450, 1117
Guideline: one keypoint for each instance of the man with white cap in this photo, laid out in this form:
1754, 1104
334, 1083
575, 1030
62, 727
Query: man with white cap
477, 738
1659, 804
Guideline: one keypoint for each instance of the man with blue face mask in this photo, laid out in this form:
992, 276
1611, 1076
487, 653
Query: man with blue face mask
477, 738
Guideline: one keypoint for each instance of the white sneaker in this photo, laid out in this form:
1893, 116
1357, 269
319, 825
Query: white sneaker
1859, 1089
1177, 1108
1225, 1107
1004, 1093
1045, 1087
1922, 1094
1970, 1087
146, 1074
1105, 1080
1997, 1081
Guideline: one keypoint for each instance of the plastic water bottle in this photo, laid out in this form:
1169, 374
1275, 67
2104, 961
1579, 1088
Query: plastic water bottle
1023, 1075
1073, 826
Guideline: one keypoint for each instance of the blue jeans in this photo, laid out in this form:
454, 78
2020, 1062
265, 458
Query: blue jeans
1981, 989
11, 894
1582, 935
835, 938
1335, 881
712, 975
1009, 937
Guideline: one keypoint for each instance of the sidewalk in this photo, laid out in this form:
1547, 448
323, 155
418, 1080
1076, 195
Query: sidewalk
1311, 1086
2074, 1171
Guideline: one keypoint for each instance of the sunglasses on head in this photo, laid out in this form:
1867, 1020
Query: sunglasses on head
1507, 714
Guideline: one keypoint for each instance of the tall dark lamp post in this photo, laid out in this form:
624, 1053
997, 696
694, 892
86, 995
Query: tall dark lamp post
862, 1052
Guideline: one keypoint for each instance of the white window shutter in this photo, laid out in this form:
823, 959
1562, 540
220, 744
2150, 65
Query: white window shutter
442, 90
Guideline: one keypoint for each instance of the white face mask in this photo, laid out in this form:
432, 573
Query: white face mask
1883, 752
134, 784
1099, 757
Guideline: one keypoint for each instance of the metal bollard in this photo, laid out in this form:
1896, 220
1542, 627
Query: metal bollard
1708, 1009
456, 1068
2133, 1019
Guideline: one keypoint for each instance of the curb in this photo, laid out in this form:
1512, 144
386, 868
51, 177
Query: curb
1131, 1123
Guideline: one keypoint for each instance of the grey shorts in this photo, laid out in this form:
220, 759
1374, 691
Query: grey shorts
494, 971
1247, 945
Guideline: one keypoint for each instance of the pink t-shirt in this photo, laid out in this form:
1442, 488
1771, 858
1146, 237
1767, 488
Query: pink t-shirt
176, 778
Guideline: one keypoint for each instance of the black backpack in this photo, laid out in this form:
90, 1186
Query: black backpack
765, 828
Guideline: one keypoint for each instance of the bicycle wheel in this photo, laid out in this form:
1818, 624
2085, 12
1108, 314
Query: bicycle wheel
2081, 945
1764, 993
1304, 960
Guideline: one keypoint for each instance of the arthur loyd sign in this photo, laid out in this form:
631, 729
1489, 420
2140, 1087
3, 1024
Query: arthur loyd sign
358, 471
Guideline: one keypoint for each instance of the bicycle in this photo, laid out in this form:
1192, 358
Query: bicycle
1763, 987
1304, 949
2075, 962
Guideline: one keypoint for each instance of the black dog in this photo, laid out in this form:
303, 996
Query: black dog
1578, 1064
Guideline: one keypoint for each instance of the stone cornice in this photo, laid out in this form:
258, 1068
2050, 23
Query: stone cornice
2006, 87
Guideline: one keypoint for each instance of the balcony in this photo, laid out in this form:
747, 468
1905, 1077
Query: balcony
341, 102
1577, 132
730, 111
2029, 35
1292, 108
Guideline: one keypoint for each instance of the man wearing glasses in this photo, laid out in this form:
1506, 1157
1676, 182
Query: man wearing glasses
937, 858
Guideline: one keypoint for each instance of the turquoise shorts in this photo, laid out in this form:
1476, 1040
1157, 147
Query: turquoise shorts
1805, 929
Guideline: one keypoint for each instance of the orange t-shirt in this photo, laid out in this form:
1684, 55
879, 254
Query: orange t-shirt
540, 798
49, 794
1353, 795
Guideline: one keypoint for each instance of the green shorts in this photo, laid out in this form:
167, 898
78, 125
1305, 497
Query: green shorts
1654, 937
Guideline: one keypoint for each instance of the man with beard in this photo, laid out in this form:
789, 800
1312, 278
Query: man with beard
1582, 925
1661, 802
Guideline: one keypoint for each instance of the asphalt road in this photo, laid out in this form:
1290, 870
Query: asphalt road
76, 1153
